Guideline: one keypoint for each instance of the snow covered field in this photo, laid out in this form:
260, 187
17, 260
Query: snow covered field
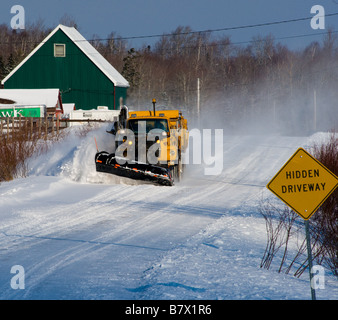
79, 234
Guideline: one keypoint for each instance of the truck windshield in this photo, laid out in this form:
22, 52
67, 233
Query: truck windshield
144, 126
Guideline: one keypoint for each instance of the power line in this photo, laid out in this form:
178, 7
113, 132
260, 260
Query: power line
206, 31
290, 37
223, 29
217, 44
214, 30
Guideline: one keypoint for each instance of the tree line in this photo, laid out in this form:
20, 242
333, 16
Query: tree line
261, 84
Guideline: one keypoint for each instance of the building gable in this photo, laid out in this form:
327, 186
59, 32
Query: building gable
67, 61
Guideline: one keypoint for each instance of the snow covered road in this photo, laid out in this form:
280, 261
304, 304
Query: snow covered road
79, 234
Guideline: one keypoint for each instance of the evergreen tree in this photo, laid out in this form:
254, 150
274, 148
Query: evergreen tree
2, 68
130, 71
10, 64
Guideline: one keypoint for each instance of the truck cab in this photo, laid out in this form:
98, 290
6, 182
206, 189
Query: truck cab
148, 146
163, 135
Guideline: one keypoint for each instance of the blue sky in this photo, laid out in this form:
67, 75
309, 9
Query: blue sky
130, 18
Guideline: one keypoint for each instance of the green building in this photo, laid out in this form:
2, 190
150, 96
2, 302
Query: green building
67, 61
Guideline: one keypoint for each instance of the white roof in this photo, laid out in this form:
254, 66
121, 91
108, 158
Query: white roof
68, 108
87, 49
47, 97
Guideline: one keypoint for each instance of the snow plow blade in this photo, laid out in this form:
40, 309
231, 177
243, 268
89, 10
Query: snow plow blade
108, 163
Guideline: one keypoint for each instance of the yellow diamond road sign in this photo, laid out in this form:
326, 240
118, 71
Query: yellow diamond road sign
303, 183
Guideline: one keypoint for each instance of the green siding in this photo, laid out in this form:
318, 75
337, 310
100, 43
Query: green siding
78, 78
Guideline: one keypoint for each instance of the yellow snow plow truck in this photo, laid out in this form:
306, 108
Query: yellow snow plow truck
148, 146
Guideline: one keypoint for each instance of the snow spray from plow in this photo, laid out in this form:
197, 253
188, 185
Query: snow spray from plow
200, 152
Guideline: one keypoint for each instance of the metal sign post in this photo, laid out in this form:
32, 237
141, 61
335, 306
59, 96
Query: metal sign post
309, 254
303, 183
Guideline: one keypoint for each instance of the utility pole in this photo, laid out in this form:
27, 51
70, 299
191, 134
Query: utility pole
315, 110
198, 100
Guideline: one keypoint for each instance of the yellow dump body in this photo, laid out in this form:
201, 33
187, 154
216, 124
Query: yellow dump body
176, 141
